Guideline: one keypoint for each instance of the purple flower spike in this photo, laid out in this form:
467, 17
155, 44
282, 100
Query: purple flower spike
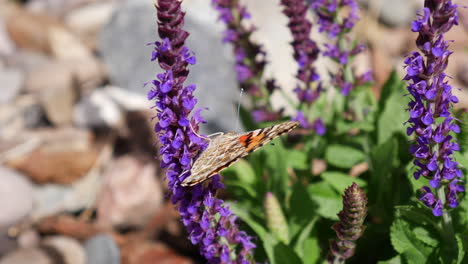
337, 18
350, 227
250, 57
206, 218
306, 53
430, 118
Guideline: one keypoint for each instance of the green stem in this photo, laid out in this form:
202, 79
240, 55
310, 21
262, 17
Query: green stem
447, 232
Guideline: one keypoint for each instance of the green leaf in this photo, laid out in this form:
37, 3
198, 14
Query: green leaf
311, 250
276, 163
301, 244
343, 156
406, 243
392, 114
285, 254
394, 260
245, 173
340, 181
414, 235
297, 159
393, 83
328, 200
462, 242
383, 186
301, 210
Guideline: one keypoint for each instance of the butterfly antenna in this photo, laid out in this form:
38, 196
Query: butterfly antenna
238, 109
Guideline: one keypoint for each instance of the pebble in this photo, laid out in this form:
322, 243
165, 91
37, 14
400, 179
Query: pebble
128, 64
97, 110
130, 193
102, 249
27, 256
12, 83
70, 249
16, 198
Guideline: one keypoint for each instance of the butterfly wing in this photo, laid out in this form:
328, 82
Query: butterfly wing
226, 149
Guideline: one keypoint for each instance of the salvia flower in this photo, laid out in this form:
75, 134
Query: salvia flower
249, 56
306, 53
337, 18
209, 222
430, 119
350, 227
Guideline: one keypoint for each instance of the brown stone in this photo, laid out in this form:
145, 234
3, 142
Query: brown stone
63, 156
146, 252
130, 195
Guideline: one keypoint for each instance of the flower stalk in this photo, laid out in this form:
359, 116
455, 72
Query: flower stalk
209, 222
350, 227
430, 118
306, 53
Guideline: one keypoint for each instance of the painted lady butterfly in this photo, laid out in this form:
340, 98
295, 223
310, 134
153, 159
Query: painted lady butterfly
225, 149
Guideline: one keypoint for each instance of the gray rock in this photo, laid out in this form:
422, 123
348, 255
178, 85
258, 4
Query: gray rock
7, 244
397, 13
54, 198
127, 58
16, 198
102, 249
12, 82
97, 110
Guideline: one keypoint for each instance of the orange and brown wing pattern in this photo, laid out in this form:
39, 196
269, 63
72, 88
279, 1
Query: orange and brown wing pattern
226, 149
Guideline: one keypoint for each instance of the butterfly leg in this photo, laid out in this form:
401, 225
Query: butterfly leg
193, 130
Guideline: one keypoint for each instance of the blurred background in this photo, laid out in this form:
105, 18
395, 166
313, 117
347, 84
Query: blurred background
79, 175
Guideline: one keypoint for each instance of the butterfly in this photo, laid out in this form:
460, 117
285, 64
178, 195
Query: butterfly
225, 149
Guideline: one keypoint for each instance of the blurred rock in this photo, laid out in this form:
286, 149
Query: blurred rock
145, 252
51, 198
27, 256
7, 46
82, 73
28, 238
27, 60
65, 45
130, 194
67, 225
16, 200
29, 30
462, 73
137, 136
88, 72
58, 100
128, 100
50, 75
88, 20
102, 249
57, 8
25, 112
70, 250
129, 66
63, 156
12, 83
7, 244
97, 110
397, 13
